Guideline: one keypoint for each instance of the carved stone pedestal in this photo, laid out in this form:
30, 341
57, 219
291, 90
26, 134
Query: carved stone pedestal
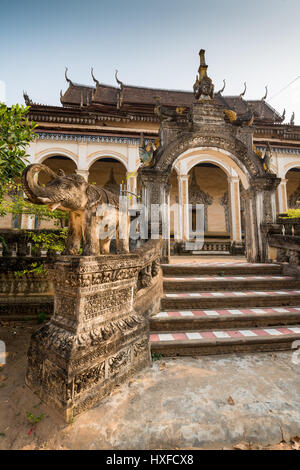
99, 334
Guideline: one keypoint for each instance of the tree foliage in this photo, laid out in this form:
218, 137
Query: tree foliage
16, 132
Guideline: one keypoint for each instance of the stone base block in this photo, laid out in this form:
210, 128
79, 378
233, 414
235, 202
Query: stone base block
98, 336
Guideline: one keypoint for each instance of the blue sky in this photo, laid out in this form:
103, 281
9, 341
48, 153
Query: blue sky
152, 43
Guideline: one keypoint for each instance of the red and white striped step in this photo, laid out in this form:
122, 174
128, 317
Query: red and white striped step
227, 278
222, 334
249, 293
219, 264
222, 312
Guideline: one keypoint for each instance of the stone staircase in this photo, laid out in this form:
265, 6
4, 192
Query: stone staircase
223, 308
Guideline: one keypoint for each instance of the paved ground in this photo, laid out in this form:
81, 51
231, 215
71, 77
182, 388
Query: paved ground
185, 403
178, 403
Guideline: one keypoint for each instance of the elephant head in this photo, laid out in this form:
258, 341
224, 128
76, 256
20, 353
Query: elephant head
73, 194
66, 192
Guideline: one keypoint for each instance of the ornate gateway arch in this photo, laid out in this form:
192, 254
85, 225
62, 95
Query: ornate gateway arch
209, 125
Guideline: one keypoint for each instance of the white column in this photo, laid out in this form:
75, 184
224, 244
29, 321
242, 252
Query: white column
183, 189
235, 209
84, 173
282, 196
132, 188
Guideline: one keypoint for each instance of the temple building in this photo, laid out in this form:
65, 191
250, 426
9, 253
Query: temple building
96, 132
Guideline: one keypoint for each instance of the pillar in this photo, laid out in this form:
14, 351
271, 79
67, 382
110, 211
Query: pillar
282, 196
235, 209
131, 178
260, 210
156, 195
183, 188
84, 173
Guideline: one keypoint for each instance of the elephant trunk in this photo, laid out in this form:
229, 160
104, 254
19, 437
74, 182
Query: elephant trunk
30, 182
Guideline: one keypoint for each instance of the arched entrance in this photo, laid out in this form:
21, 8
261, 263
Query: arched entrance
232, 150
293, 188
108, 172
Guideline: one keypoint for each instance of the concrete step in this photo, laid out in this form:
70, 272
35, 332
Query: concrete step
196, 343
228, 299
219, 319
215, 283
226, 268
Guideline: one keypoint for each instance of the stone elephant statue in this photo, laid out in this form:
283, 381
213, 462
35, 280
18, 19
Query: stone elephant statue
73, 194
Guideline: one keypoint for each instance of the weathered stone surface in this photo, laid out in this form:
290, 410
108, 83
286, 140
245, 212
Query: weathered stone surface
98, 335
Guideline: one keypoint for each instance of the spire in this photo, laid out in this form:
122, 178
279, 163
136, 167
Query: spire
118, 81
93, 77
292, 121
222, 89
265, 95
67, 78
111, 177
245, 89
27, 100
203, 87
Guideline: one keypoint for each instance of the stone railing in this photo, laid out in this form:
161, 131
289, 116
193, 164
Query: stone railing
284, 244
98, 335
24, 292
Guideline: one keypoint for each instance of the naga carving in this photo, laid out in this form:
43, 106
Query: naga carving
73, 194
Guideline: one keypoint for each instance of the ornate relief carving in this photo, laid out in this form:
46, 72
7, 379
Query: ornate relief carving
118, 361
224, 201
89, 378
140, 347
112, 300
85, 350
197, 196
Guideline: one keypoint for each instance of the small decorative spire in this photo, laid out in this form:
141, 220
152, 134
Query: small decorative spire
94, 79
292, 121
67, 78
283, 115
222, 89
245, 89
61, 94
203, 87
118, 81
27, 100
265, 95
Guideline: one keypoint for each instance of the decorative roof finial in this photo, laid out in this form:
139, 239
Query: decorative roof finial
66, 76
283, 115
93, 77
203, 87
292, 121
245, 89
265, 95
27, 100
222, 89
118, 81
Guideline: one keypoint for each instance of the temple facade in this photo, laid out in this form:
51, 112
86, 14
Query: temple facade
226, 144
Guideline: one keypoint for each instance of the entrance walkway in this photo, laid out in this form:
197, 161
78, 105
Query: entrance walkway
207, 259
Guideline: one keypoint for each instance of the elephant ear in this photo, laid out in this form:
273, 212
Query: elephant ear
93, 195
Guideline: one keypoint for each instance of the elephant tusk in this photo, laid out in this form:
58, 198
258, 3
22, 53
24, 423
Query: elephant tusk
52, 207
44, 200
